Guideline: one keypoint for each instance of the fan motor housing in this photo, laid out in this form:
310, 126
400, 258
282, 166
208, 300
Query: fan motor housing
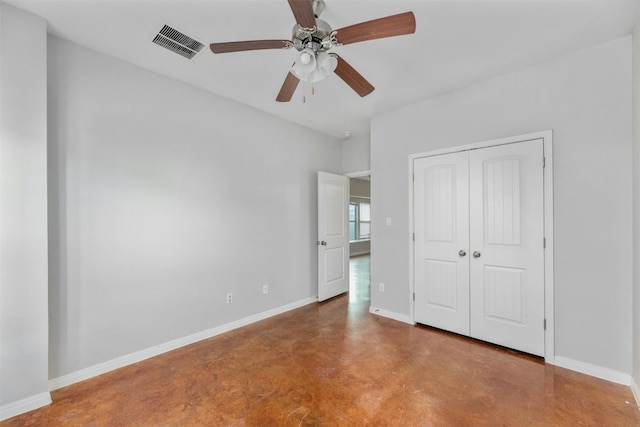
318, 40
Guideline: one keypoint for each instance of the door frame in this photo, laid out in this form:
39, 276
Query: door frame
547, 138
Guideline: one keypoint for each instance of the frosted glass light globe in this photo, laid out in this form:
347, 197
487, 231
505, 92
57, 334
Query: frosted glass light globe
305, 58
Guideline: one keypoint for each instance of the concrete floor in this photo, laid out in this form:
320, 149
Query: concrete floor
335, 364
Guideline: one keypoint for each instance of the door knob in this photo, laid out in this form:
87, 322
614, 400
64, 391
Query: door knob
322, 242
476, 254
462, 253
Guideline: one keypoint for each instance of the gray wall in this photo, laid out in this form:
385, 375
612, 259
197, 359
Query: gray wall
636, 208
23, 212
360, 187
585, 98
356, 154
163, 200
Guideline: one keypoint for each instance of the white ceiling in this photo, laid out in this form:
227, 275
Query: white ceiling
457, 43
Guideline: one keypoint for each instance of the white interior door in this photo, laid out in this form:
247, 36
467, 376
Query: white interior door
506, 244
441, 203
333, 235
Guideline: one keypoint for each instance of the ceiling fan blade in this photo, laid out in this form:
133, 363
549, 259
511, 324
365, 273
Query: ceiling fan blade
288, 88
226, 47
351, 77
390, 26
303, 12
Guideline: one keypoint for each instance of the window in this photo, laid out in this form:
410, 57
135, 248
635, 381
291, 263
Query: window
359, 221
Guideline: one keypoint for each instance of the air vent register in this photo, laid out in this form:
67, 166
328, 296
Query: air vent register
177, 42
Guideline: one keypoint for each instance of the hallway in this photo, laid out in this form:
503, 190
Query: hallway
335, 364
359, 279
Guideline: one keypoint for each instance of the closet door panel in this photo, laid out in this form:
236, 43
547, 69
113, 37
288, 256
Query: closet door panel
506, 245
441, 206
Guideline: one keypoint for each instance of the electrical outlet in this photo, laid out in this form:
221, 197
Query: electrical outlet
381, 287
229, 298
265, 289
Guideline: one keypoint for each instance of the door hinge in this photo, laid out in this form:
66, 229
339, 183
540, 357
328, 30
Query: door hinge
545, 324
414, 296
544, 162
544, 243
414, 237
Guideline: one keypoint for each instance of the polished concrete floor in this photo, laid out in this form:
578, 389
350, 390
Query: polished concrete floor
334, 364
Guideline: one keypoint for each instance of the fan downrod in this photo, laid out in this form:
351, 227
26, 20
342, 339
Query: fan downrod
318, 7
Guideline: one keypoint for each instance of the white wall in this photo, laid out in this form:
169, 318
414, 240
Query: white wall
636, 208
165, 198
356, 154
23, 212
585, 98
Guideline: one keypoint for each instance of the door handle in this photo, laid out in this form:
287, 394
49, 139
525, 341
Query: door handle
322, 242
462, 252
476, 254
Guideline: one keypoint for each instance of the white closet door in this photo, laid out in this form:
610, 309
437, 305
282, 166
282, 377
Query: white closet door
441, 261
506, 245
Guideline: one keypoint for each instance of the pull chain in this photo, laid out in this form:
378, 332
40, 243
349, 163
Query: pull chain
304, 91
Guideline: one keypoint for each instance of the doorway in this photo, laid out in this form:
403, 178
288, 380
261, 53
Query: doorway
360, 237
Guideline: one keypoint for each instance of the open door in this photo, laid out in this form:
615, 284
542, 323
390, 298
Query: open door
333, 235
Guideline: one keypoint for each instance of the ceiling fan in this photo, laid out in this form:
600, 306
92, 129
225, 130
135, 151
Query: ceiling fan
313, 37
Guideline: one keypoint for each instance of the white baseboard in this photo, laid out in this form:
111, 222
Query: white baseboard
24, 405
563, 362
138, 356
391, 315
635, 390
593, 370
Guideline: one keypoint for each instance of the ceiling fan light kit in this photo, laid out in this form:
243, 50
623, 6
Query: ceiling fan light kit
312, 38
313, 66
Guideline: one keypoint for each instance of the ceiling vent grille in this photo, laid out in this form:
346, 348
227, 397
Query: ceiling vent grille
177, 42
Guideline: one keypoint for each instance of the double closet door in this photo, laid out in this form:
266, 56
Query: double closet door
479, 250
